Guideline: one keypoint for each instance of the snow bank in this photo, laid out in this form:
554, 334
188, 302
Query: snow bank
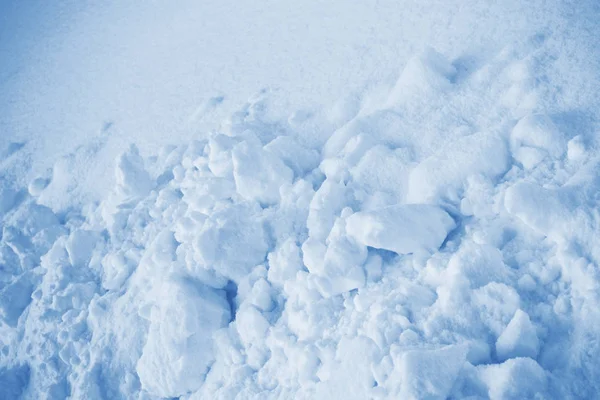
440, 242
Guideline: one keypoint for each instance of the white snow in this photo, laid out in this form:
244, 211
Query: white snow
403, 229
317, 200
178, 350
258, 175
429, 374
519, 339
443, 175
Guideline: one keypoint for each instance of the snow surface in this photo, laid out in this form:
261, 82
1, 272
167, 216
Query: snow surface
412, 214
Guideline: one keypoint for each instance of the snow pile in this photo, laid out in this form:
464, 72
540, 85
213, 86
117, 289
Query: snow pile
424, 249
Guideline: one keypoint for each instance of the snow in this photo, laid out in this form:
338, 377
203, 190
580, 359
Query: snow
535, 137
516, 378
318, 200
178, 350
442, 176
403, 229
519, 339
430, 374
258, 175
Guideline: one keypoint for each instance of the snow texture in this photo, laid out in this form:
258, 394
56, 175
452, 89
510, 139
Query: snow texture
415, 219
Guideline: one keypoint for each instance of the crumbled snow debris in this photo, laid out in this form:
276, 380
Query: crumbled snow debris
402, 229
519, 339
273, 258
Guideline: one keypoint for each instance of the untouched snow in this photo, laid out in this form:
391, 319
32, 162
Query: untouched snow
412, 214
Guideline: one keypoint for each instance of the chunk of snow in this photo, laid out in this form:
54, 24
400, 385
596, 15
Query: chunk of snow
537, 131
547, 211
251, 325
116, 268
219, 159
179, 347
349, 373
232, 241
444, 173
325, 206
430, 374
80, 245
284, 262
519, 339
402, 229
338, 264
259, 174
518, 378
132, 178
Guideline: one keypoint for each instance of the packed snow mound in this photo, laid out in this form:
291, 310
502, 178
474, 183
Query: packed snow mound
440, 242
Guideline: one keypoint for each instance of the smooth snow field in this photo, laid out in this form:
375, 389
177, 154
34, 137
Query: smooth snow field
300, 200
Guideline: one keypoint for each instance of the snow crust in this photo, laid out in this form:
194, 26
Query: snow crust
432, 238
